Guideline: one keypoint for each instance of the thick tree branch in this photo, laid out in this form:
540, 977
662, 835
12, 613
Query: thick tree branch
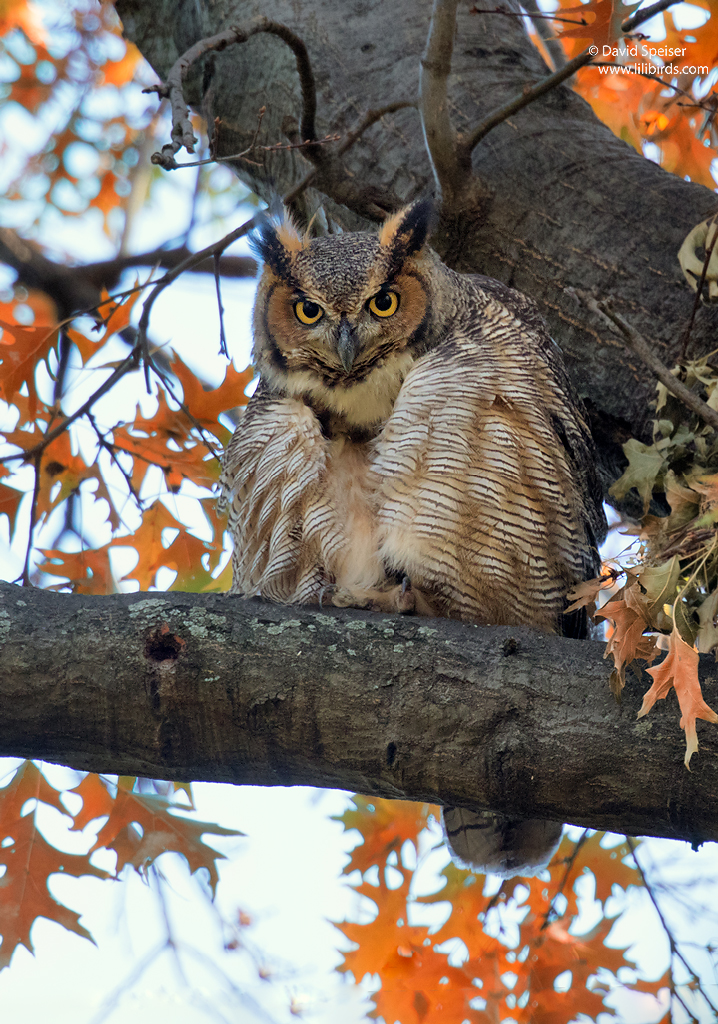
79, 288
450, 172
182, 686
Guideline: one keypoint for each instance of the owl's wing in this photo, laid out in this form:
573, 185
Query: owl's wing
271, 472
581, 448
484, 475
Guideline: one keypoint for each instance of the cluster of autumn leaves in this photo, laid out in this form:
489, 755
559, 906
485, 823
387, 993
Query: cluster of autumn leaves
669, 596
495, 957
639, 108
29, 860
183, 449
518, 943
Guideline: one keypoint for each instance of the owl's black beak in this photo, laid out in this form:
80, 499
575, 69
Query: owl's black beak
348, 344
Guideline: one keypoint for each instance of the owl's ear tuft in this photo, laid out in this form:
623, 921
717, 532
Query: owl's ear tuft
406, 232
274, 242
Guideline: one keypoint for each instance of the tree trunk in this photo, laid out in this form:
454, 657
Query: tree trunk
560, 202
212, 688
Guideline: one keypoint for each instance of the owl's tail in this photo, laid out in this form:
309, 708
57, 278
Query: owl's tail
489, 842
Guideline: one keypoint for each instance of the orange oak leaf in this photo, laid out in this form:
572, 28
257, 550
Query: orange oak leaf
679, 669
629, 619
205, 404
21, 349
603, 21
60, 467
87, 571
29, 860
161, 832
184, 554
417, 982
165, 440
10, 503
117, 315
97, 801
385, 826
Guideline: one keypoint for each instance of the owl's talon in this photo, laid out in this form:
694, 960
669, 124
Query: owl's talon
404, 598
326, 591
350, 597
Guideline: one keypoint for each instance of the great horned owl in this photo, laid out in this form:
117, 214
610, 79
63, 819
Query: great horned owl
413, 445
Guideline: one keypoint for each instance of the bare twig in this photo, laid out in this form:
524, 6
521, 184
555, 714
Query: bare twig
222, 337
110, 449
193, 419
570, 861
646, 74
64, 347
528, 7
449, 170
128, 364
646, 14
529, 94
134, 975
259, 149
675, 951
699, 289
369, 119
33, 522
197, 257
638, 344
544, 29
182, 133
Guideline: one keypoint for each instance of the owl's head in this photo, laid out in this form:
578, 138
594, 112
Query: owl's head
339, 319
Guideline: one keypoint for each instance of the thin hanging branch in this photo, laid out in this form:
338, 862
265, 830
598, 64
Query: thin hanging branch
562, 884
142, 344
533, 12
675, 951
220, 309
638, 344
182, 131
645, 14
25, 575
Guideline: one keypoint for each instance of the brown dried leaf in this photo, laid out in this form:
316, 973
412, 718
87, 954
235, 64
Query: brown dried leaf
679, 669
584, 594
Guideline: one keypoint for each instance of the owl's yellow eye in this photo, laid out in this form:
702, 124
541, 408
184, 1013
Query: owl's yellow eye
308, 312
384, 304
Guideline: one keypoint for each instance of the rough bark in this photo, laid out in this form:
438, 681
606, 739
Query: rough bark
560, 201
188, 687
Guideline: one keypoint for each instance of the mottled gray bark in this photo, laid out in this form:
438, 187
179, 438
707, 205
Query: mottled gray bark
559, 203
180, 686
